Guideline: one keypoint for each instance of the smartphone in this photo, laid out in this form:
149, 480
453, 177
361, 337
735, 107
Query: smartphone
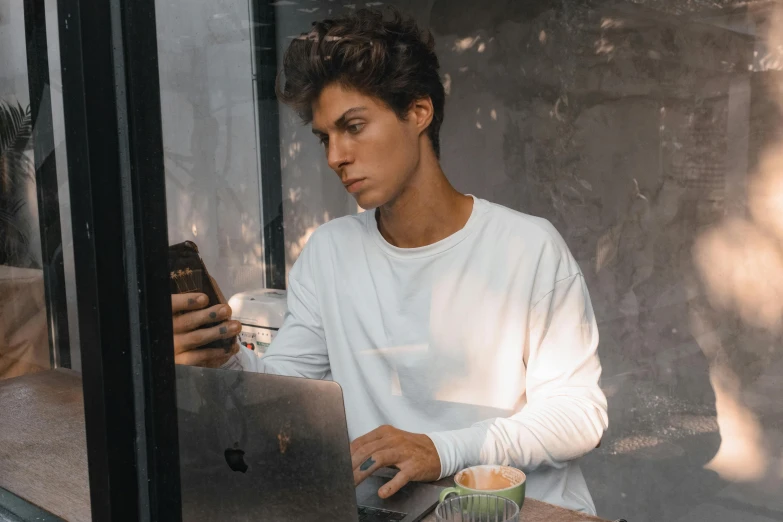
188, 273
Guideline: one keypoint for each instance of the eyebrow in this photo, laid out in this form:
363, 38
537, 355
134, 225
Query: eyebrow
340, 122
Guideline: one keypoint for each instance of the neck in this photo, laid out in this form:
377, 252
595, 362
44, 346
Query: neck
426, 211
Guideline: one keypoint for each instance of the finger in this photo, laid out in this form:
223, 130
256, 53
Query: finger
375, 462
187, 302
394, 485
209, 357
189, 321
375, 434
198, 338
360, 455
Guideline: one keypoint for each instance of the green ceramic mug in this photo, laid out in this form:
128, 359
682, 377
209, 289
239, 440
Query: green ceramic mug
502, 481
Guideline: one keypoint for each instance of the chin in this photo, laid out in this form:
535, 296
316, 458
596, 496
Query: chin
368, 200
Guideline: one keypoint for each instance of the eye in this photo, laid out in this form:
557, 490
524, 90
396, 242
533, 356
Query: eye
355, 128
324, 141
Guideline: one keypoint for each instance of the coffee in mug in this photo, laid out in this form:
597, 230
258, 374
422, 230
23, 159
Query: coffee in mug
489, 478
501, 481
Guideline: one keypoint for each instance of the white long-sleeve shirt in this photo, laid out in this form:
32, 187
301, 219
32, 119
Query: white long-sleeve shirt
485, 341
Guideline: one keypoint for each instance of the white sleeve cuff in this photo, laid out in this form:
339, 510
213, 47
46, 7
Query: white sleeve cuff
458, 449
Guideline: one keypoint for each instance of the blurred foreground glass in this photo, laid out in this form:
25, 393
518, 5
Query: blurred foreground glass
477, 508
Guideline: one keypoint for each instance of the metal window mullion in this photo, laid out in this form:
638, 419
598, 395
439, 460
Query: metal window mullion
148, 192
52, 255
264, 55
115, 162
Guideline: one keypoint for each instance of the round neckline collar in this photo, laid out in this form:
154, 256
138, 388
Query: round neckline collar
426, 250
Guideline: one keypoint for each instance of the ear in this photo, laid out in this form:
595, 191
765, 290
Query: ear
421, 113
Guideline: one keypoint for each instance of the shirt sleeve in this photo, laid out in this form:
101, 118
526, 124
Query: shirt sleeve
566, 412
299, 348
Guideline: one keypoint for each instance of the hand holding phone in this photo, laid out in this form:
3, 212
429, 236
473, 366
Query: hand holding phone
204, 335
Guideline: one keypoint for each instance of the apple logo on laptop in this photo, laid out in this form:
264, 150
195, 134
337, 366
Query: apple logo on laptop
235, 458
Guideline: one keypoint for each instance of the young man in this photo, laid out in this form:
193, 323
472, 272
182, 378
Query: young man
461, 331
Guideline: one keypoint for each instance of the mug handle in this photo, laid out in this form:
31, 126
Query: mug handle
446, 493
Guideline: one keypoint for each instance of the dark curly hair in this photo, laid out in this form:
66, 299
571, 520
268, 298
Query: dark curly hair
386, 57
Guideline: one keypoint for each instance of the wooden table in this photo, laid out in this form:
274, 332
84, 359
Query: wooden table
43, 453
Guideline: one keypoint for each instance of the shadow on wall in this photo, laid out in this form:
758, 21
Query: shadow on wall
310, 197
210, 139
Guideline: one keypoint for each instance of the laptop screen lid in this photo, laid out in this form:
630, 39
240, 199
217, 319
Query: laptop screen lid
262, 447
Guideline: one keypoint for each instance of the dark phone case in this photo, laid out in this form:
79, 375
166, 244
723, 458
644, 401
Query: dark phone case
187, 273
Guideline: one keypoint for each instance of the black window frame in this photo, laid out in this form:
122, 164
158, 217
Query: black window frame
264, 71
111, 103
46, 186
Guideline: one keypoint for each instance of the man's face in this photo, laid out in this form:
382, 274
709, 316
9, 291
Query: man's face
373, 152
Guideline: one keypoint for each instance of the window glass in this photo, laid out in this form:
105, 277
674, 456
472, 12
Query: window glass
647, 134
43, 457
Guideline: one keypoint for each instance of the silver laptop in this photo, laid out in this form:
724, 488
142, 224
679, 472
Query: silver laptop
263, 448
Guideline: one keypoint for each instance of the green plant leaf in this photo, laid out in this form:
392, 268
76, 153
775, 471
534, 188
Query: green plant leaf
16, 171
16, 127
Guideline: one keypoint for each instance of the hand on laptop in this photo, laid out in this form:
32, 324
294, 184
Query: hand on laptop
413, 454
189, 315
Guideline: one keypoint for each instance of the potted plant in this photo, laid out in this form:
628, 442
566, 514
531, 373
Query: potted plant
16, 171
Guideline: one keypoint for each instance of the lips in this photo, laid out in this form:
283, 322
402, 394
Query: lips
353, 185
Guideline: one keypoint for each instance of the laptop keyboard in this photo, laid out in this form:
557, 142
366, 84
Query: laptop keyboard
371, 514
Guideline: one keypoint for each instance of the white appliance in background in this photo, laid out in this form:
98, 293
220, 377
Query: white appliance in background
261, 313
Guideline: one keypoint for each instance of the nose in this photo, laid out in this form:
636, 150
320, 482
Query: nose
337, 154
